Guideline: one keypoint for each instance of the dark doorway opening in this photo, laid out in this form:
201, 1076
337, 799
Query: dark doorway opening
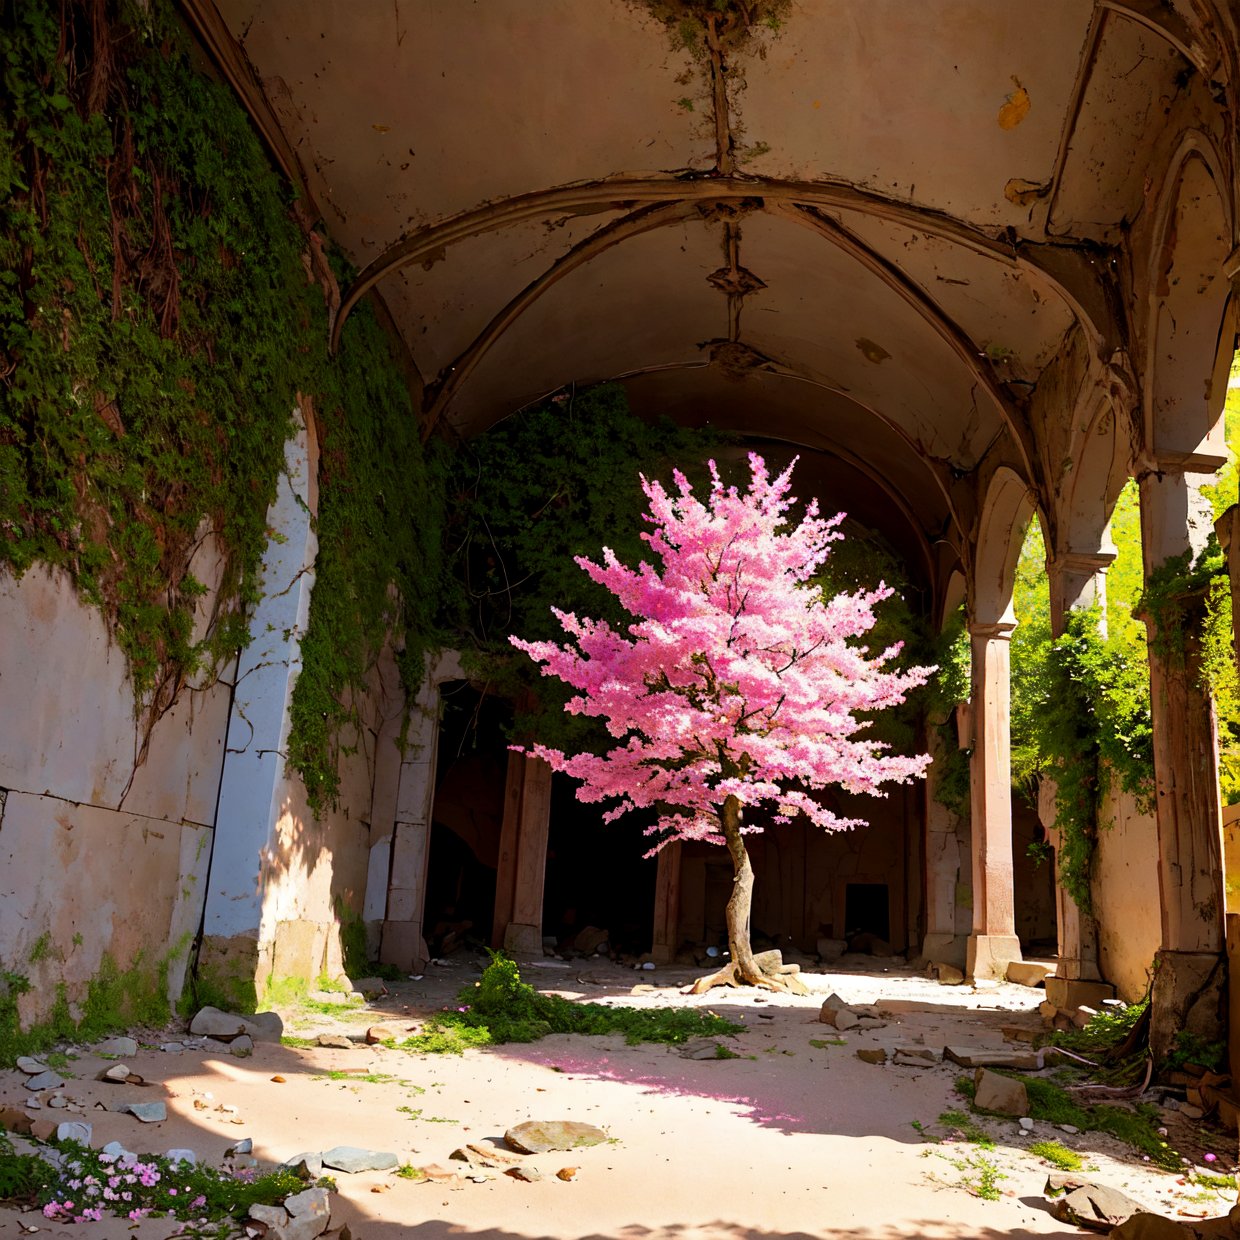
466, 817
596, 875
867, 911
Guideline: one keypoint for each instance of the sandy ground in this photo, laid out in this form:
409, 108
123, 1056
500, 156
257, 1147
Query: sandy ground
788, 1141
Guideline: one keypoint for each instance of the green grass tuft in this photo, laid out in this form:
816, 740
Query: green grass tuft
1057, 1155
502, 1008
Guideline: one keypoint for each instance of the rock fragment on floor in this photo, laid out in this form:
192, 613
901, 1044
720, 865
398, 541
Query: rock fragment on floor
352, 1160
995, 1092
543, 1136
1096, 1206
837, 1013
994, 1057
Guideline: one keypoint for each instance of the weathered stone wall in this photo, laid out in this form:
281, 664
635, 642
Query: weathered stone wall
112, 857
102, 855
1125, 890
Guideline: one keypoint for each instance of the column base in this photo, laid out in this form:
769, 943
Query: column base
1190, 994
1068, 993
403, 946
523, 940
942, 948
988, 955
1077, 969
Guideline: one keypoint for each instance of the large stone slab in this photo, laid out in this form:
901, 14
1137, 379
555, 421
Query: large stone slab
994, 1057
540, 1136
1027, 972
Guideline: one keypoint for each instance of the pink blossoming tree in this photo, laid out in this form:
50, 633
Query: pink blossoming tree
738, 685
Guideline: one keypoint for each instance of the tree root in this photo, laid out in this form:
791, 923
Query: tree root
771, 975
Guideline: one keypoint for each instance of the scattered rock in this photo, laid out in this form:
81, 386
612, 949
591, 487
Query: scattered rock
566, 1173
309, 1166
542, 1136
528, 1174
870, 1022
830, 950
45, 1080
643, 988
837, 1013
1047, 1010
439, 1175
382, 1033
210, 1022
32, 1067
946, 974
270, 1216
182, 1156
313, 1203
338, 1041
117, 1073
1020, 1033
216, 1046
126, 1048
115, 1149
59, 1101
1000, 1093
1070, 1129
484, 1156
589, 939
1096, 1206
1028, 972
352, 1160
991, 1057
370, 987
244, 1146
73, 1130
14, 1121
264, 1026
915, 1057
699, 1048
1026, 1124
1082, 1015
242, 1047
172, 1048
872, 1054
148, 1112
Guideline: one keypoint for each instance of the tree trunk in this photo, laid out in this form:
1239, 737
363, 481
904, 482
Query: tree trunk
740, 902
744, 968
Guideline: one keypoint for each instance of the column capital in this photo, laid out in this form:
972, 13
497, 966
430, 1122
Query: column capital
1081, 562
1000, 630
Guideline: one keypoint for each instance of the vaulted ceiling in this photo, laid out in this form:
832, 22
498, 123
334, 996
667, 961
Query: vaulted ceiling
860, 226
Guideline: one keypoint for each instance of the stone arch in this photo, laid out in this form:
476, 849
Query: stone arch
1192, 316
1005, 515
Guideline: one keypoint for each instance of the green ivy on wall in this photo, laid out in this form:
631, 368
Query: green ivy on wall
158, 325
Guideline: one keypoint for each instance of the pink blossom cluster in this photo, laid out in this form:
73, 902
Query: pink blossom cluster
114, 1191
737, 677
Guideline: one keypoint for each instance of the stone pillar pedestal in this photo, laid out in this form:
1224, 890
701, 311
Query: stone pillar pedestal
522, 866
664, 941
993, 943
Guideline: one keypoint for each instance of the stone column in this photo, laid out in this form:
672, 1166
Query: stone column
522, 856
238, 951
404, 941
1077, 581
1190, 973
993, 943
942, 870
665, 939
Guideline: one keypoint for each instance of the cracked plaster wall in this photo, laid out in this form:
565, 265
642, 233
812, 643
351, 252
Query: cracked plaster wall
99, 855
